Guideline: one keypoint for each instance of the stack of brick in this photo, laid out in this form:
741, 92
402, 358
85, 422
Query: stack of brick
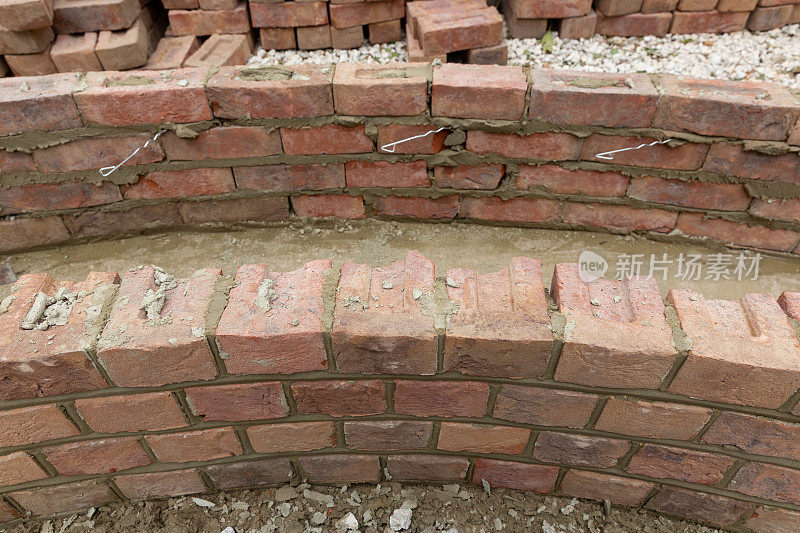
466, 31
204, 33
529, 18
26, 34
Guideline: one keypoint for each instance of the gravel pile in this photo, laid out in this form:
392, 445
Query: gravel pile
770, 56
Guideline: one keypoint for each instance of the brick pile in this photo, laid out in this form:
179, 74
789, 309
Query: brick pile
464, 30
43, 37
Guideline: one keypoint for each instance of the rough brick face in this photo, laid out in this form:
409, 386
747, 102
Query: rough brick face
773, 520
600, 487
273, 321
734, 160
328, 139
428, 143
340, 398
578, 450
329, 205
455, 437
90, 153
28, 425
155, 484
181, 183
243, 401
542, 146
427, 468
386, 174
19, 467
616, 333
478, 91
195, 446
381, 90
698, 505
468, 176
514, 210
228, 142
768, 481
51, 197
288, 14
265, 209
697, 225
341, 469
251, 473
687, 156
47, 106
415, 207
290, 177
662, 462
440, 398
206, 22
63, 498
654, 420
756, 435
502, 327
559, 180
390, 334
619, 217
91, 223
387, 435
97, 457
544, 407
295, 437
518, 476
697, 194
150, 411
27, 232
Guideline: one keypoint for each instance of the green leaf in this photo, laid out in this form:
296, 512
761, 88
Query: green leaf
547, 42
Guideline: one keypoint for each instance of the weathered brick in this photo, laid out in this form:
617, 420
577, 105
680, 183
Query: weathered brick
340, 398
294, 437
75, 53
518, 476
790, 303
278, 38
265, 209
523, 28
697, 194
478, 91
417, 10
490, 55
514, 210
348, 15
345, 38
559, 180
19, 467
787, 209
101, 456
742, 352
773, 520
544, 407
124, 49
50, 197
485, 176
270, 92
80, 16
314, 37
753, 110
734, 160
440, 398
394, 89
229, 142
28, 232
200, 445
658, 6
328, 139
273, 321
203, 22
502, 327
385, 32
553, 146
251, 473
329, 205
708, 22
620, 217
696, 225
26, 42
430, 143
388, 434
654, 420
427, 468
386, 174
665, 462
768, 18
687, 156
697, 5
49, 357
600, 487
12, 161
737, 5
578, 27
150, 411
63, 498
244, 401
697, 505
589, 98
171, 52
181, 183
339, 469
288, 14
549, 9
616, 333
163, 344
47, 106
416, 207
291, 177
19, 15
455, 437
90, 153
634, 24
155, 484
770, 482
379, 322
578, 450
8, 513
761, 436
442, 33
91, 223
415, 51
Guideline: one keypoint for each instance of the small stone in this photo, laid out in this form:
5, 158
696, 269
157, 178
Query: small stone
400, 519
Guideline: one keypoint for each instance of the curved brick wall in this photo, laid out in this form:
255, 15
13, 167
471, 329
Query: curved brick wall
141, 385
517, 147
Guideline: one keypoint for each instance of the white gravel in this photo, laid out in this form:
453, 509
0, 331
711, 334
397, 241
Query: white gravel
771, 55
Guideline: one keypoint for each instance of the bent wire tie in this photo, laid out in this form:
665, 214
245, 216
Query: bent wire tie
394, 144
107, 171
607, 155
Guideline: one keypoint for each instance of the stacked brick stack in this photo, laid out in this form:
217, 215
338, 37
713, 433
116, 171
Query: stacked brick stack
319, 24
467, 31
204, 33
529, 18
43, 37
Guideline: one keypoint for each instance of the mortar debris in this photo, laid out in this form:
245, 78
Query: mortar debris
49, 311
153, 301
266, 295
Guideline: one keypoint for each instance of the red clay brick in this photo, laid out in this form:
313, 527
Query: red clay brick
486, 176
688, 156
502, 327
761, 436
348, 15
228, 142
708, 22
478, 91
697, 194
388, 434
743, 352
456, 437
96, 457
734, 160
578, 450
12, 161
414, 207
314, 37
616, 333
244, 401
94, 15
773, 520
294, 437
440, 398
329, 205
696, 225
600, 487
654, 420
665, 462
26, 42
273, 321
514, 210
251, 473
48, 362
328, 139
265, 209
385, 32
518, 476
278, 38
174, 483
386, 174
659, 6
768, 18
341, 469
47, 106
595, 99
274, 92
634, 24
394, 89
770, 482
91, 223
290, 177
578, 27
203, 22
200, 445
8, 513
379, 324
698, 505
90, 153
737, 5
787, 209
545, 146
288, 14
151, 411
544, 407
550, 9
50, 197
340, 398
63, 498
19, 467
559, 180
75, 53
442, 33
427, 468
19, 15
28, 232
790, 303
171, 52
181, 183
345, 38
168, 346
620, 217
524, 28
432, 143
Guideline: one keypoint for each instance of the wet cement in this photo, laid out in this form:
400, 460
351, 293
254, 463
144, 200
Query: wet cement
482, 248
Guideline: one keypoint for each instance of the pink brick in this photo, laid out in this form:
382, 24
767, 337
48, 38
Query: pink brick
288, 14
697, 194
203, 22
67, 497
480, 438
97, 456
91, 153
734, 160
786, 209
56, 196
180, 184
19, 467
30, 425
200, 445
696, 225
773, 520
296, 437
619, 217
290, 177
